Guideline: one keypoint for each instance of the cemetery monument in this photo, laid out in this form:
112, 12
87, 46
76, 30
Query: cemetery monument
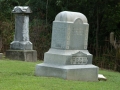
68, 57
21, 48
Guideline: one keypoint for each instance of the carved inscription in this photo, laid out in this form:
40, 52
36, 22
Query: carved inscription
79, 60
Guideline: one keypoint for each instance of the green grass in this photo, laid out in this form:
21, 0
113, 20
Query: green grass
19, 75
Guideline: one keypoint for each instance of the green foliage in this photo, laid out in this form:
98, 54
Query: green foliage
41, 36
38, 7
6, 22
6, 33
5, 8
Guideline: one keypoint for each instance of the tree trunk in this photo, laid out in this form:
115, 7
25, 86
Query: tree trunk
97, 30
46, 11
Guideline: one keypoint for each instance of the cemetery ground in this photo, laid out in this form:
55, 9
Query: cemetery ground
19, 75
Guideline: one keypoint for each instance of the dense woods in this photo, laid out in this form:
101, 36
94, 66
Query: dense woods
103, 18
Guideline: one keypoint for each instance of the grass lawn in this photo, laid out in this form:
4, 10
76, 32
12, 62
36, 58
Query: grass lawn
19, 75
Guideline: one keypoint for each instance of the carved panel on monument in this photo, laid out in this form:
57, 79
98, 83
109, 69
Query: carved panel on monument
79, 60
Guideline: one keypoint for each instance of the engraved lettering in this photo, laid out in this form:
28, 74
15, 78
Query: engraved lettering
79, 60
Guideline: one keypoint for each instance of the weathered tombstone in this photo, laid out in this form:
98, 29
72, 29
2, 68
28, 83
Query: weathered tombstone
21, 48
68, 57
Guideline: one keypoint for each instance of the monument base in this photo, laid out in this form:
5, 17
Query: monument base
69, 72
23, 55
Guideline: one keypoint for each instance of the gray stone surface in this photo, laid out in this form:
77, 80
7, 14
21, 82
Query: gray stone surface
21, 37
21, 48
73, 31
23, 55
21, 9
68, 56
70, 72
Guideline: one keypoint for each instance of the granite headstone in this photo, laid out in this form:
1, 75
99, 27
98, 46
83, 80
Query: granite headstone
21, 48
68, 57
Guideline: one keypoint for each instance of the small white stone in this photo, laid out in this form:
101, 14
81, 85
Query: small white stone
101, 77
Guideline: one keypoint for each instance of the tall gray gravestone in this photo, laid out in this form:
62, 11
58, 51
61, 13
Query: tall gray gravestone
21, 48
68, 57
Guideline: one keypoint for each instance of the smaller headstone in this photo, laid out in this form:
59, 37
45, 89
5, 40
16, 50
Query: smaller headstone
21, 48
21, 38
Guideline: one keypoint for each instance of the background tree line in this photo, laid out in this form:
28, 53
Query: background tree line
103, 17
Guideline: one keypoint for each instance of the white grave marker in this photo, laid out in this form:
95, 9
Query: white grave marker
68, 56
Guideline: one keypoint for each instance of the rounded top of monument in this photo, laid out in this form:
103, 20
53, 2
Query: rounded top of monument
67, 16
